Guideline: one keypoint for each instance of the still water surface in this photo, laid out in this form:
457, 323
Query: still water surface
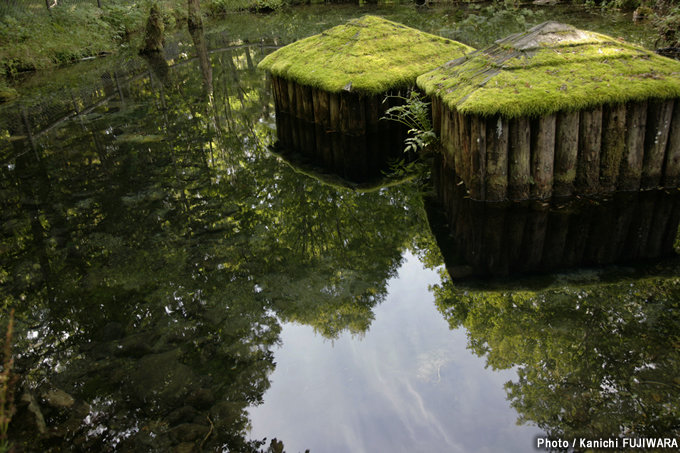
177, 287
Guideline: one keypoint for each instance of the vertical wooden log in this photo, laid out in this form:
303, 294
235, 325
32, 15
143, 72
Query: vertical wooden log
566, 153
613, 145
436, 108
543, 155
336, 133
373, 156
452, 138
631, 163
386, 140
282, 86
672, 165
599, 234
496, 158
519, 159
447, 143
358, 161
589, 143
659, 116
463, 123
478, 157
292, 105
308, 117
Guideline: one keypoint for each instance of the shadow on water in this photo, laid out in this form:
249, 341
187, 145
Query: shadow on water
153, 248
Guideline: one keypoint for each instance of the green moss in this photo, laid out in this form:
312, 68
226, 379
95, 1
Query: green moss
550, 68
368, 55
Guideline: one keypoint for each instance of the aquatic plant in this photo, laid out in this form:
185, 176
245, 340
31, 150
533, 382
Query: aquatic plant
369, 55
414, 114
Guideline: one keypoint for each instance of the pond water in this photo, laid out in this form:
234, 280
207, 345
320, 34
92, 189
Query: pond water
178, 287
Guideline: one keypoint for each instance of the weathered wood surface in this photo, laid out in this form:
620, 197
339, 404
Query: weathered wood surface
519, 159
590, 140
497, 132
542, 155
566, 153
659, 115
631, 163
613, 145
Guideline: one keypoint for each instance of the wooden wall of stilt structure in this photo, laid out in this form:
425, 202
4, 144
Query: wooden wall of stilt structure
342, 132
626, 147
502, 239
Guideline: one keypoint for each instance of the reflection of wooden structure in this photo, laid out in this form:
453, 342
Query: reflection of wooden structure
501, 239
558, 111
329, 91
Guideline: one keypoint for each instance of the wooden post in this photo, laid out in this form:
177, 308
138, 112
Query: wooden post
338, 159
293, 110
641, 224
463, 123
309, 145
631, 163
447, 144
386, 140
579, 226
437, 109
497, 129
357, 130
478, 157
589, 141
613, 145
566, 153
659, 117
543, 155
516, 219
672, 229
625, 205
672, 171
519, 159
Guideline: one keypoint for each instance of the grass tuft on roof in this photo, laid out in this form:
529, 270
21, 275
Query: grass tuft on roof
551, 67
369, 55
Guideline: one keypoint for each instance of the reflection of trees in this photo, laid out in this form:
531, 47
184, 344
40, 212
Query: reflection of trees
151, 249
592, 362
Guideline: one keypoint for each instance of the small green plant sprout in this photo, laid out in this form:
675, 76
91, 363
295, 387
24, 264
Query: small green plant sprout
6, 383
414, 114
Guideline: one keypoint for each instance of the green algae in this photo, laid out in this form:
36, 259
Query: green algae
369, 55
550, 68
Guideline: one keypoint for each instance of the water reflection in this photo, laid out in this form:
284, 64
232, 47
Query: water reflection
156, 254
594, 360
502, 239
152, 249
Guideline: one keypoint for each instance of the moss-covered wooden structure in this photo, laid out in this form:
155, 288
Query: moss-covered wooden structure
557, 111
329, 91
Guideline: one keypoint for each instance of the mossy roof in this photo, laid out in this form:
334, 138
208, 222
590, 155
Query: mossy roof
369, 55
552, 67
